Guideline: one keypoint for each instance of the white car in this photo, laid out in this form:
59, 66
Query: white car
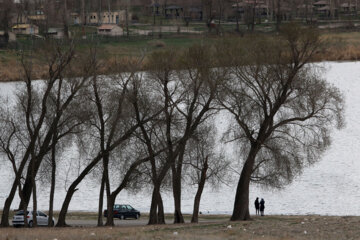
42, 219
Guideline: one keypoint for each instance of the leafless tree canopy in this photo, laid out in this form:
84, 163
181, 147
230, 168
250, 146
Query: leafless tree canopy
156, 128
283, 109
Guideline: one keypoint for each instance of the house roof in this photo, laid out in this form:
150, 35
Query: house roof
326, 8
321, 3
24, 26
303, 6
37, 17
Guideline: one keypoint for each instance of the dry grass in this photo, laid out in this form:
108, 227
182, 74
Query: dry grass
341, 46
268, 227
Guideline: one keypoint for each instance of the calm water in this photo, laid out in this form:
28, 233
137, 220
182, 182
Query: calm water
330, 187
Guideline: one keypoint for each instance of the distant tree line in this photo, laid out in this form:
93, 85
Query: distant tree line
156, 129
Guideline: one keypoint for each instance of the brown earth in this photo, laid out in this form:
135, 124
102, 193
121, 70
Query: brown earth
268, 227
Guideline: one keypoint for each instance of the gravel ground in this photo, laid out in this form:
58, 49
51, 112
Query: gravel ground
268, 227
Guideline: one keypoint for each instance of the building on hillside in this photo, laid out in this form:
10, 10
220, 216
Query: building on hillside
37, 18
110, 30
174, 11
75, 18
348, 8
196, 13
27, 29
113, 17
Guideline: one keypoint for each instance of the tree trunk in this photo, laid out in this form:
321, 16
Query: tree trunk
278, 16
65, 20
53, 182
6, 209
110, 210
176, 180
10, 198
101, 202
34, 204
178, 217
153, 218
72, 189
82, 13
34, 191
27, 188
237, 16
127, 18
161, 215
99, 12
25, 206
241, 205
156, 215
195, 216
62, 215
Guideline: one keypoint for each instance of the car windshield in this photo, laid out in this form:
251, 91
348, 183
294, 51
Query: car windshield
21, 213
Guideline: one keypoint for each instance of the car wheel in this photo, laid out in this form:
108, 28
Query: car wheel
137, 216
30, 224
122, 217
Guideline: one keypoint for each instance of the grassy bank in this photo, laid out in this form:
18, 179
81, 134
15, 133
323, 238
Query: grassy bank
268, 227
341, 45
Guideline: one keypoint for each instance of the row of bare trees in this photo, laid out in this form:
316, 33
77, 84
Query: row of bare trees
156, 128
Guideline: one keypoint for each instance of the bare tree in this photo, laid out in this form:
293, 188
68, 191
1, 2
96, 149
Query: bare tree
33, 110
283, 110
115, 127
6, 15
198, 84
58, 71
113, 116
208, 8
204, 163
187, 97
65, 18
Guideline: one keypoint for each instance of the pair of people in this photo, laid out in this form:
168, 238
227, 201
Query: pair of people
260, 206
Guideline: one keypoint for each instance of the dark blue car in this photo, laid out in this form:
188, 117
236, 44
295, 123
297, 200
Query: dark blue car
124, 211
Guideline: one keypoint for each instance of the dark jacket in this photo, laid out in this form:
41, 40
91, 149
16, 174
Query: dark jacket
257, 204
262, 205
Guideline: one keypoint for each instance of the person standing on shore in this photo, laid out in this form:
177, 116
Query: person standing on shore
262, 206
257, 206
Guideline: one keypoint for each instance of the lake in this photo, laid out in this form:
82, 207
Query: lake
330, 187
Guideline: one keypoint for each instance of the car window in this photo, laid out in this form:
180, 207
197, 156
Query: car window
21, 213
123, 208
42, 214
116, 206
129, 207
